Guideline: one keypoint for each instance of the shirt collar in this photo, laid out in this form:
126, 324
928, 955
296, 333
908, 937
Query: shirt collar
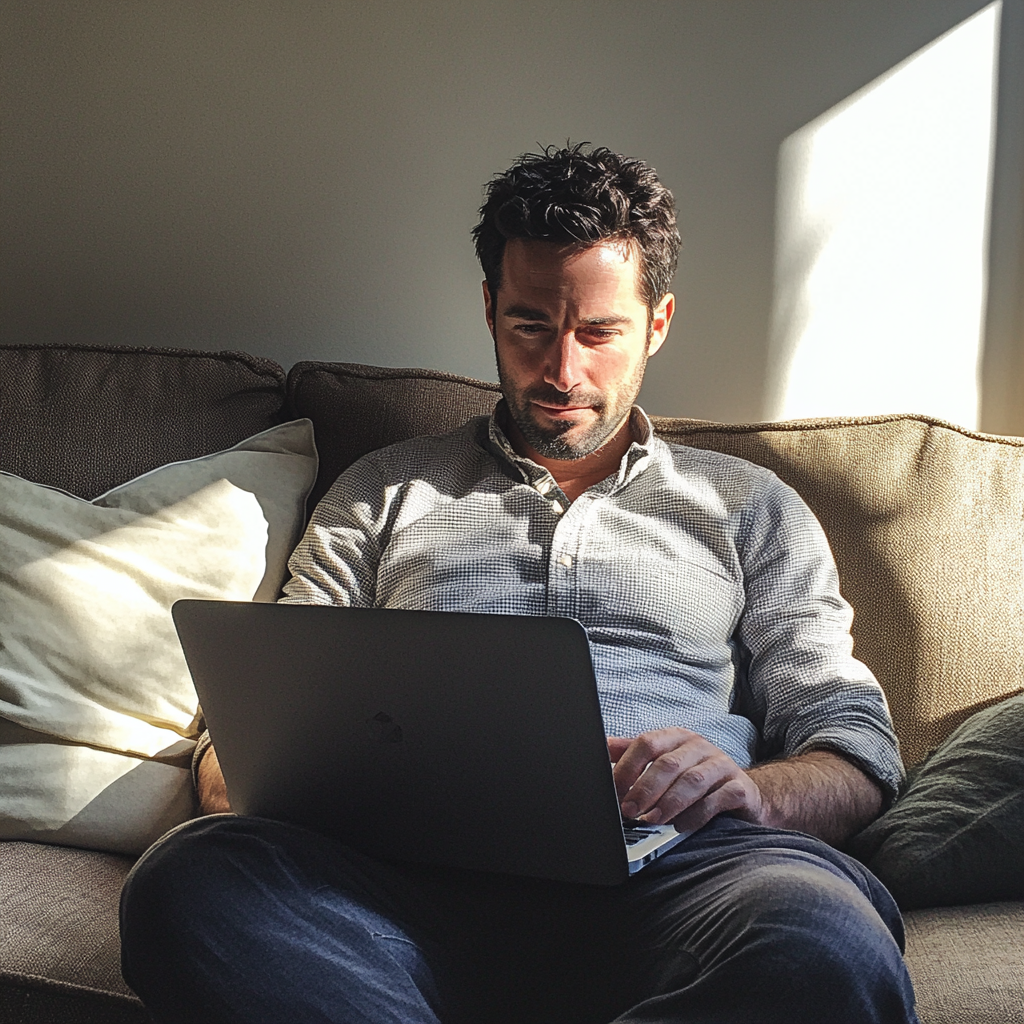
635, 460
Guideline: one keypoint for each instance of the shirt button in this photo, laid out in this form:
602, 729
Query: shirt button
556, 507
565, 560
544, 486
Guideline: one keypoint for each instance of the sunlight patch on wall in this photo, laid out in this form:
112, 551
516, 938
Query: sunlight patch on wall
881, 240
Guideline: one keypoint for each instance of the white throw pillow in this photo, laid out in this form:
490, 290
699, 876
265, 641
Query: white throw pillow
57, 791
93, 685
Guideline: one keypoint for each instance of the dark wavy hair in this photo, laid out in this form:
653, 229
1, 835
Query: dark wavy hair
578, 196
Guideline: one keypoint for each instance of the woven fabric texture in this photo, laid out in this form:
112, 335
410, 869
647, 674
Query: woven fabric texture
967, 963
59, 919
356, 409
87, 404
925, 522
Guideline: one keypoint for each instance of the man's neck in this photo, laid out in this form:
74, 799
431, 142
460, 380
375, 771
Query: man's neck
574, 476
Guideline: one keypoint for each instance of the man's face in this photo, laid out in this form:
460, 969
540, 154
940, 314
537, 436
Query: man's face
571, 338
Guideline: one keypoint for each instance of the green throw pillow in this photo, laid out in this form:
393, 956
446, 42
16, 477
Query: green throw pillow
956, 835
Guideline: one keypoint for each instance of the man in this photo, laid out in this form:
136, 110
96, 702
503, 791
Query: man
722, 652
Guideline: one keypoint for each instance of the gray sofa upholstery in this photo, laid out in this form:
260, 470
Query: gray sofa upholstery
890, 492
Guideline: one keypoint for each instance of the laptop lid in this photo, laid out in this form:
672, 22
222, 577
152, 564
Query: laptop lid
473, 741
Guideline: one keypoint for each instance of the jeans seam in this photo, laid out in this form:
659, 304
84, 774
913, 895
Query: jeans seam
393, 938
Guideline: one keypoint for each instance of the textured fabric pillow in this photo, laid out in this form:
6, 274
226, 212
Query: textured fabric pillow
95, 696
956, 835
72, 413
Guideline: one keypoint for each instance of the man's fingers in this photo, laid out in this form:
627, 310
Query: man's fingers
696, 816
671, 784
681, 805
646, 748
677, 775
617, 746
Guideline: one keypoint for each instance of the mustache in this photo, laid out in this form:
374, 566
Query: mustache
548, 394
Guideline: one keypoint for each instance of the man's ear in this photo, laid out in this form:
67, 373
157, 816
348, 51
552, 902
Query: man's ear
661, 319
488, 309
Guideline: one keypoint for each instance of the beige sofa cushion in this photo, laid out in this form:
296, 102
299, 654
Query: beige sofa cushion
925, 521
967, 963
60, 951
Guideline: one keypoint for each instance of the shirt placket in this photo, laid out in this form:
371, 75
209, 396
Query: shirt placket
563, 556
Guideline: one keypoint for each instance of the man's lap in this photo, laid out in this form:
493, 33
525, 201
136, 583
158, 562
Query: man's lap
522, 949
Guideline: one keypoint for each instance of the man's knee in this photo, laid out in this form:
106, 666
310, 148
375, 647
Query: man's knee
175, 875
807, 901
213, 903
168, 890
805, 925
194, 899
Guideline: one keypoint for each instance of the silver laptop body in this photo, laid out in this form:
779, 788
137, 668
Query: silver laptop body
472, 741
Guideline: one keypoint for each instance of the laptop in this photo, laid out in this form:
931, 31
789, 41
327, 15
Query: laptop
466, 740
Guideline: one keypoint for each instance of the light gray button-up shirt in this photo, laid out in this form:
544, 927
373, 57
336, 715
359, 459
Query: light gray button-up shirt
706, 585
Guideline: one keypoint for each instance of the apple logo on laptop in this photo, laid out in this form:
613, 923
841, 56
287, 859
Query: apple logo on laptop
384, 728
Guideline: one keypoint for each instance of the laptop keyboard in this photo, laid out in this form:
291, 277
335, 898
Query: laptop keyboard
636, 831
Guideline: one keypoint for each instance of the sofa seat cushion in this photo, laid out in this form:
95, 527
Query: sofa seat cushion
60, 950
86, 417
967, 963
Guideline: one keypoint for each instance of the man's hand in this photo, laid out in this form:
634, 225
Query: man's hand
213, 794
676, 775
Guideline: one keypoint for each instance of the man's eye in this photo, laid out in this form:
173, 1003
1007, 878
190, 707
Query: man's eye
529, 328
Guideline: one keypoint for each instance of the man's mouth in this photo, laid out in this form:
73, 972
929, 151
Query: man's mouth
558, 411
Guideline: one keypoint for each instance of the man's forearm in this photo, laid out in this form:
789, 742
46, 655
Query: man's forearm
820, 793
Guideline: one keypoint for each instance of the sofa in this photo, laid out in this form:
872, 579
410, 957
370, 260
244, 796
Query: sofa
925, 520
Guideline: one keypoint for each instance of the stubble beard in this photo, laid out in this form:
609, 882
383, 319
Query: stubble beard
551, 441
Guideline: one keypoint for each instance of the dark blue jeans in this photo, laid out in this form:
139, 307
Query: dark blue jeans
241, 919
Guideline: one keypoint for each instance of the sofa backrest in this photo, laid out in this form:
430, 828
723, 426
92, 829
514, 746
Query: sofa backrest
925, 521
85, 418
357, 409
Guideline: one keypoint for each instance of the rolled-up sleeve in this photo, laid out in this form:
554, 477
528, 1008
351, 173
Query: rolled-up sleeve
806, 688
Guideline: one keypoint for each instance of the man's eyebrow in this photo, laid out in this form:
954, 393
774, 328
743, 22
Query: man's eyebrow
525, 313
529, 313
613, 320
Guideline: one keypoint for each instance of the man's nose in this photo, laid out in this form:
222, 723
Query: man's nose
563, 370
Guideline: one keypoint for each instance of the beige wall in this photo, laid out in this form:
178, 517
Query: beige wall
299, 179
